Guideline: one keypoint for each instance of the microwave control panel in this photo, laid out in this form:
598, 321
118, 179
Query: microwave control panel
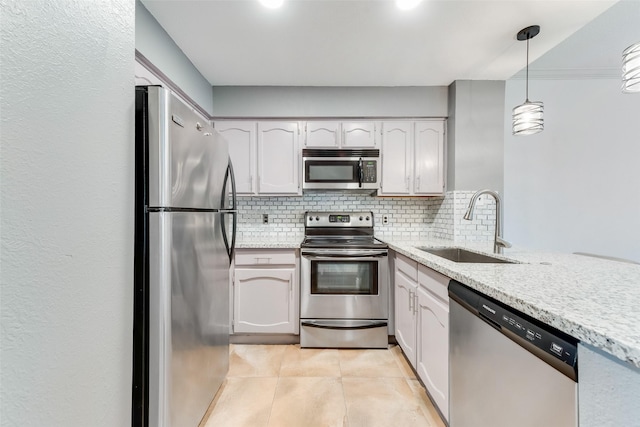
370, 171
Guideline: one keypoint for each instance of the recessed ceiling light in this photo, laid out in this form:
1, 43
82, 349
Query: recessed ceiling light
272, 4
407, 4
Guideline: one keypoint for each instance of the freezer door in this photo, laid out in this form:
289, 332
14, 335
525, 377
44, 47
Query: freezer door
189, 316
187, 158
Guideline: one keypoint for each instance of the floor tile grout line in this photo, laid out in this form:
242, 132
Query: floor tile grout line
279, 376
344, 394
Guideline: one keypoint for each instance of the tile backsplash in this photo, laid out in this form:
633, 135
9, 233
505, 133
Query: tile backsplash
409, 218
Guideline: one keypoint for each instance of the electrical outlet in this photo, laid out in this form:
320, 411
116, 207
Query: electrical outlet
385, 219
265, 218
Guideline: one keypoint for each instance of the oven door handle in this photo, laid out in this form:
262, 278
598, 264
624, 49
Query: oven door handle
345, 254
351, 325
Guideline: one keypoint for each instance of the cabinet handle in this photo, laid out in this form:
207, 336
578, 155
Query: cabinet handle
407, 183
415, 303
418, 183
410, 300
267, 260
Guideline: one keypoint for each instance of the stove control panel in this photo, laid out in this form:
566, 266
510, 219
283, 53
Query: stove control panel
339, 219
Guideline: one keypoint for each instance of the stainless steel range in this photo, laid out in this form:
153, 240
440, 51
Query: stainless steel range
344, 299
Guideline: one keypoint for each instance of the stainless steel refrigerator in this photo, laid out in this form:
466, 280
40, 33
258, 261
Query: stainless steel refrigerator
185, 223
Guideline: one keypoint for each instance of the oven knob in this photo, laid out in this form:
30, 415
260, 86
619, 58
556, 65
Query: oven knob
361, 218
310, 218
367, 218
317, 218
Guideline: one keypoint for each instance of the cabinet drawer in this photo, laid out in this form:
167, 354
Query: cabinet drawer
265, 257
407, 266
434, 282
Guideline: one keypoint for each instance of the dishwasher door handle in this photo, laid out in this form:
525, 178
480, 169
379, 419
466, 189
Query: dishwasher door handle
489, 321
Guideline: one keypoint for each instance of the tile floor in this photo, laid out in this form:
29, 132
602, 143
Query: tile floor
286, 386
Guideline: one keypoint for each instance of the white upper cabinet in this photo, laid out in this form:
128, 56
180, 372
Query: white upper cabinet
241, 137
413, 158
429, 157
278, 158
323, 134
359, 135
396, 157
332, 134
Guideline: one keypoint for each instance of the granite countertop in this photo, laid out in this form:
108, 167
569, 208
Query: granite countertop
595, 300
288, 242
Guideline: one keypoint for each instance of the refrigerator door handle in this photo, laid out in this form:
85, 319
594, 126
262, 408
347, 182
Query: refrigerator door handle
231, 210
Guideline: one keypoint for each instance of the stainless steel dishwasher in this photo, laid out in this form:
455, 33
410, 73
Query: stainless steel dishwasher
507, 369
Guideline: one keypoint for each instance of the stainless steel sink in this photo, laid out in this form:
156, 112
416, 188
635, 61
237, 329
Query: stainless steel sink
463, 255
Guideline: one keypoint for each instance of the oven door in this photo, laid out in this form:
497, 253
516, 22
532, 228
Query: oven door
344, 284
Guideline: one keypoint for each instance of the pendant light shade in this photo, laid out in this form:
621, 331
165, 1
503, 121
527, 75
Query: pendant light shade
528, 117
631, 69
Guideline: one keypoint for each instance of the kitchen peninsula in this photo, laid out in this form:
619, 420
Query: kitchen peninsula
592, 299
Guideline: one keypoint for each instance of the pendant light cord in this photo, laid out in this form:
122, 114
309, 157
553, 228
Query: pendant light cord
527, 97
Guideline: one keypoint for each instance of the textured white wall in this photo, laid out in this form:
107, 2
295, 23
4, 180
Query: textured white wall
66, 212
608, 390
575, 187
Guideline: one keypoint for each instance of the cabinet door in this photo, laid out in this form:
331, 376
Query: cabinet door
359, 135
433, 347
396, 158
264, 300
278, 158
241, 137
429, 157
405, 319
322, 134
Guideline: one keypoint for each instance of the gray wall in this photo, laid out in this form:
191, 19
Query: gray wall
66, 212
476, 135
272, 101
575, 187
160, 49
608, 390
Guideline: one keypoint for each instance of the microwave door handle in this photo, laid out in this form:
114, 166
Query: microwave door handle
360, 173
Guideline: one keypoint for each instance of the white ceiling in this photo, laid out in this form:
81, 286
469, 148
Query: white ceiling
365, 42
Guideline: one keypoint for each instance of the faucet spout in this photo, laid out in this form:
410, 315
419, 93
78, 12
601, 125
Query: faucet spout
498, 241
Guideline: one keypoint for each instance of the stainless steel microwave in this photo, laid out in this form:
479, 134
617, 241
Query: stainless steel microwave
337, 170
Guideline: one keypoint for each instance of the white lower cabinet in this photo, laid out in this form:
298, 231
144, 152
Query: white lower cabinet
265, 291
433, 336
406, 284
422, 325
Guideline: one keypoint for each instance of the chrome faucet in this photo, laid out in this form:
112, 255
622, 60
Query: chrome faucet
498, 241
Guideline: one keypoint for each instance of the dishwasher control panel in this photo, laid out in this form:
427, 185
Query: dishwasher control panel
531, 331
539, 338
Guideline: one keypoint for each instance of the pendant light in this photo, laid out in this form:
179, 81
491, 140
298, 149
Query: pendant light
528, 117
631, 69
